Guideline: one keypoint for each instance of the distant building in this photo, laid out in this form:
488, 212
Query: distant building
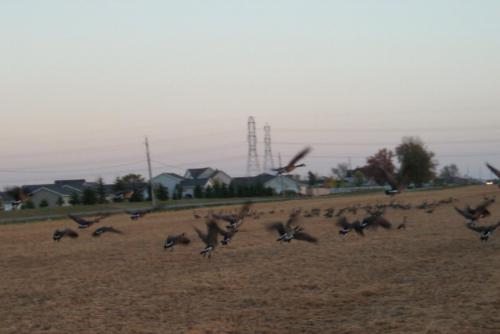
7, 202
208, 173
169, 181
52, 194
189, 185
193, 177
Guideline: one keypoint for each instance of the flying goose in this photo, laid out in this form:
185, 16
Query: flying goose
292, 165
227, 236
485, 232
135, 214
376, 220
105, 229
346, 227
494, 171
84, 223
173, 240
287, 232
59, 234
210, 238
469, 214
235, 221
481, 211
395, 184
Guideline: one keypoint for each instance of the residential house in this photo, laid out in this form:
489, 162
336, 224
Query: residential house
189, 185
169, 181
8, 203
54, 195
208, 173
193, 177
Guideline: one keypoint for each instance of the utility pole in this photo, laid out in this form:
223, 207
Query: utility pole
148, 156
281, 177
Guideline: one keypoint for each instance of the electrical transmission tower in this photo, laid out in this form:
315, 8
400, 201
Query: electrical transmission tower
253, 167
268, 154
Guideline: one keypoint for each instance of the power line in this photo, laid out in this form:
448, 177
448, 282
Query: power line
42, 171
371, 143
388, 129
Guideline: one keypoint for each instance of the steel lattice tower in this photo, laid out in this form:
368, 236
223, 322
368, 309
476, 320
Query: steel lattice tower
268, 154
253, 167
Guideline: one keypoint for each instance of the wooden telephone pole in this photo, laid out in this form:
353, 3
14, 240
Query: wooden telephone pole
148, 156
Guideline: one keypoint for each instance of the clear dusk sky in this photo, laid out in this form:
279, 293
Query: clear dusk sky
82, 83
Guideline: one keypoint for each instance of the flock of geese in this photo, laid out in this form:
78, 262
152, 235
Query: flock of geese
291, 230
222, 227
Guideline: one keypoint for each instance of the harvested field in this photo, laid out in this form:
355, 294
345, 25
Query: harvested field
434, 277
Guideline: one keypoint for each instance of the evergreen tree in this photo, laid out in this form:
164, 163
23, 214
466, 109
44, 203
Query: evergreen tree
101, 191
74, 199
231, 191
119, 185
161, 192
28, 204
43, 203
209, 192
178, 191
137, 196
60, 201
89, 196
198, 191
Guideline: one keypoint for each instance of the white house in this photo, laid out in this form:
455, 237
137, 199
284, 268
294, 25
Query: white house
199, 173
169, 181
188, 186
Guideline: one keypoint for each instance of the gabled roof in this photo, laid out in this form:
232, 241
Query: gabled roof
53, 188
74, 183
196, 172
177, 176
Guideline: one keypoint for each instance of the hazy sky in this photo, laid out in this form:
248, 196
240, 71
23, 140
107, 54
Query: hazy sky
82, 82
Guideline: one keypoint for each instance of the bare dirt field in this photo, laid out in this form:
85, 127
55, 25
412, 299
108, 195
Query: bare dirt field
434, 277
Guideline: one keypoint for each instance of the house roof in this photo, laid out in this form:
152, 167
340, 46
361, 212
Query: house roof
196, 172
170, 174
69, 187
53, 188
70, 182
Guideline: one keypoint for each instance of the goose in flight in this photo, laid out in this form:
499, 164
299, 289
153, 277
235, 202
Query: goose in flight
289, 231
105, 229
485, 232
494, 171
84, 223
67, 232
173, 240
209, 238
292, 165
397, 185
